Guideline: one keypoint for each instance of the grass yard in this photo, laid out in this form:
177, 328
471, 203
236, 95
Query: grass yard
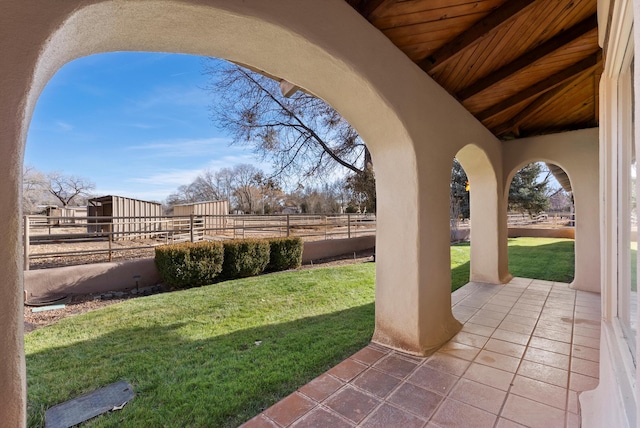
218, 355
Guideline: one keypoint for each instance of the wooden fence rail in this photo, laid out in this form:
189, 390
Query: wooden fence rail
106, 235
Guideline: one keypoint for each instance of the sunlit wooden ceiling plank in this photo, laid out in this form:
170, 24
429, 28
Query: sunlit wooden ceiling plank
480, 29
530, 57
541, 87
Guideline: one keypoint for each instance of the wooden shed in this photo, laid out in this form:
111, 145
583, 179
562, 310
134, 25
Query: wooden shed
128, 218
214, 213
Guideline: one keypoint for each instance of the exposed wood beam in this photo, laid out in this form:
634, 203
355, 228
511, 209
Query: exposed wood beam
524, 114
480, 29
530, 57
370, 6
288, 88
541, 87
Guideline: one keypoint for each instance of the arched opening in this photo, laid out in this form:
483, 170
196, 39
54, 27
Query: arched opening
541, 223
487, 261
41, 359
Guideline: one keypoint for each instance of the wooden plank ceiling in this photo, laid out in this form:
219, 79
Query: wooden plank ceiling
521, 67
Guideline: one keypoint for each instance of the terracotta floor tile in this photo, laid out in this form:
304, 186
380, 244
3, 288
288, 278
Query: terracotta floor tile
543, 373
529, 322
454, 414
352, 404
511, 336
260, 421
479, 395
395, 366
447, 363
387, 416
470, 339
376, 382
487, 313
552, 359
489, 322
541, 392
566, 326
585, 367
459, 350
347, 370
481, 330
489, 376
289, 409
528, 307
321, 387
532, 414
496, 308
506, 348
519, 312
320, 418
368, 355
550, 345
590, 342
498, 361
573, 405
515, 327
432, 379
560, 336
506, 423
586, 353
587, 332
415, 399
579, 382
573, 420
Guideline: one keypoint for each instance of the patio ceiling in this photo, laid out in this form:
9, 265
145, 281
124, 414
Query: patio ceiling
521, 67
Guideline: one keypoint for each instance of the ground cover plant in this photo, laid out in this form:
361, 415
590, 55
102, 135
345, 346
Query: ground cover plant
217, 355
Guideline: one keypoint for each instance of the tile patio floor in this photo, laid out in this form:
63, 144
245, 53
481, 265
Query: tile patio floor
527, 349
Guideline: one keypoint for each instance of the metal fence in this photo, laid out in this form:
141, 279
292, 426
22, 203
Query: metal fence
51, 237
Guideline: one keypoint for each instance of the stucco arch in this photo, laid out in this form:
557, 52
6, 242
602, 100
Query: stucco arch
411, 125
577, 154
488, 217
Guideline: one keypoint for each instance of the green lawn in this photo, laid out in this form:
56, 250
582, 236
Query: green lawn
217, 355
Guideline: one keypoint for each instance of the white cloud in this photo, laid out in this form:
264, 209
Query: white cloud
63, 126
184, 147
176, 177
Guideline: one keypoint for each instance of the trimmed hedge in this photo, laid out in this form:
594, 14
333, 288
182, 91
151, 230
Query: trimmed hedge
189, 264
286, 253
245, 257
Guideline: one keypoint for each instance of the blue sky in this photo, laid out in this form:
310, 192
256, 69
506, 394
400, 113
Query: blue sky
136, 124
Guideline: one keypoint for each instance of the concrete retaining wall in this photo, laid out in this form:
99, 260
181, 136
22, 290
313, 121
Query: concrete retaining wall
564, 232
119, 276
317, 250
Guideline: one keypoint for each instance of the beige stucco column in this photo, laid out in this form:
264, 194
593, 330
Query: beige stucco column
576, 152
488, 216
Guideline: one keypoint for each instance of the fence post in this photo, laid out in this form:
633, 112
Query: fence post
349, 226
325, 228
26, 242
110, 244
243, 230
288, 226
191, 226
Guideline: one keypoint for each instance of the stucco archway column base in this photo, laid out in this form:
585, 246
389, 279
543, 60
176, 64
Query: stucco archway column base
576, 152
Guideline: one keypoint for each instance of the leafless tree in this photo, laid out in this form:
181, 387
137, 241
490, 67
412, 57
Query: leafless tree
34, 189
66, 188
302, 135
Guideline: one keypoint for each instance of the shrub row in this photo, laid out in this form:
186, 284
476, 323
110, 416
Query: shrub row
194, 264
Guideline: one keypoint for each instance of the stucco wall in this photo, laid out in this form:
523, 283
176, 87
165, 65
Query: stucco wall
577, 153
